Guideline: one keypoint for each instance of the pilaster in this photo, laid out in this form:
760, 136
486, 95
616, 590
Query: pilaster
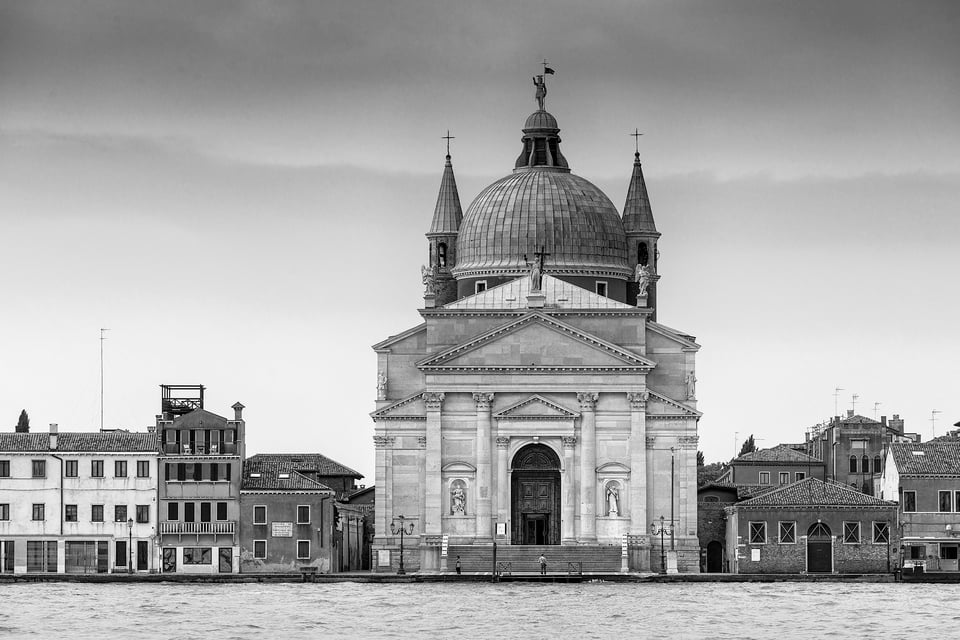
569, 493
381, 525
484, 465
503, 483
433, 509
588, 466
422, 478
638, 462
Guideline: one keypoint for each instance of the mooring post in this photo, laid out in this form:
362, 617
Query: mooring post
493, 575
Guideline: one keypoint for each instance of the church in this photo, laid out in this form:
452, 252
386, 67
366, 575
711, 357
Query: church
540, 402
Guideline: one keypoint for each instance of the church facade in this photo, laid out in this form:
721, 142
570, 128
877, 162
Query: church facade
540, 402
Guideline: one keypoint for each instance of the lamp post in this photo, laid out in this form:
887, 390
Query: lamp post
401, 529
662, 530
129, 545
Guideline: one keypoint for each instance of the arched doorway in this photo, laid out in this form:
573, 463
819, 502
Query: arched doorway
535, 496
714, 557
819, 549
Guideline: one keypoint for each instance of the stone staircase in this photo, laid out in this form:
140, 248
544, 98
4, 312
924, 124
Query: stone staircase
524, 558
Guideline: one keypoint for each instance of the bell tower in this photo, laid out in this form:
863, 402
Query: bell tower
642, 237
442, 236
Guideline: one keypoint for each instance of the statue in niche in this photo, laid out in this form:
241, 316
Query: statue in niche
458, 499
691, 382
381, 386
613, 499
430, 287
643, 278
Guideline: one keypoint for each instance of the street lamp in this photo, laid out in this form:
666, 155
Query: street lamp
662, 530
401, 529
129, 545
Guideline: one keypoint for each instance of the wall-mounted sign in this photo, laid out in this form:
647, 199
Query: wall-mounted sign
502, 529
282, 530
383, 558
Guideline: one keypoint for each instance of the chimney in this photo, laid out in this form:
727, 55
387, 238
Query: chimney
883, 420
238, 411
849, 413
896, 423
53, 437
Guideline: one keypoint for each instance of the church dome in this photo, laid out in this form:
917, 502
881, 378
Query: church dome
541, 206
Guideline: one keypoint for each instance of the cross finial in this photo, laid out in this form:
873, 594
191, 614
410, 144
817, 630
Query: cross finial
636, 140
448, 138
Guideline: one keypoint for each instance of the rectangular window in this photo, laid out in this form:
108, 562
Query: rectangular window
784, 477
881, 532
221, 511
788, 533
799, 475
764, 477
71, 468
909, 501
96, 468
197, 555
259, 549
173, 511
260, 514
479, 286
957, 495
189, 511
70, 513
4, 511
303, 514
143, 513
851, 533
181, 472
601, 288
143, 468
303, 549
39, 468
38, 511
120, 469
120, 513
41, 556
198, 472
4, 468
758, 533
214, 471
96, 513
120, 554
204, 512
946, 501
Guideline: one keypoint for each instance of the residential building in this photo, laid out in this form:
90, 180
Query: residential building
355, 529
924, 478
773, 467
287, 518
712, 499
201, 461
812, 526
78, 502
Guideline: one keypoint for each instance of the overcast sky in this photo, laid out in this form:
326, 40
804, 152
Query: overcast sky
239, 192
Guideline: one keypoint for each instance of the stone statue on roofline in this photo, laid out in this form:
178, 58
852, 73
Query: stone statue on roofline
643, 277
430, 286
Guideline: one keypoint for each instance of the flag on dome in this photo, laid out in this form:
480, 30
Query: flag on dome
548, 70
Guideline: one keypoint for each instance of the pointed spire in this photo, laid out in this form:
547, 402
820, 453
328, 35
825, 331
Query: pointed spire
637, 214
447, 214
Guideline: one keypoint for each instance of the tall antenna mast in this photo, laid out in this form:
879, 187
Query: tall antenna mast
102, 338
853, 402
933, 423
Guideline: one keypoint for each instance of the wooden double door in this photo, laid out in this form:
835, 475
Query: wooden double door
535, 496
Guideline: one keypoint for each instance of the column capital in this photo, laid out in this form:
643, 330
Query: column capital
433, 400
422, 442
503, 442
383, 442
588, 400
569, 442
638, 400
483, 400
688, 442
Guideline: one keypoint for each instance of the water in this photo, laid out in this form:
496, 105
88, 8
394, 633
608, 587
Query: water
472, 610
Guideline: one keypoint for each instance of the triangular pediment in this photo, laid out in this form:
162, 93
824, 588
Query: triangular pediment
410, 408
660, 406
536, 407
536, 342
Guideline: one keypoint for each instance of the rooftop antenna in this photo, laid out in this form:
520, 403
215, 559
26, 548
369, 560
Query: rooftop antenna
933, 422
853, 402
736, 436
102, 338
836, 401
875, 409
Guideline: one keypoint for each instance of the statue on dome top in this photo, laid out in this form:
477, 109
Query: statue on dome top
541, 94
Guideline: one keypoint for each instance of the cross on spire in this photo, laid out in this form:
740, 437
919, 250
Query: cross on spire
636, 140
448, 138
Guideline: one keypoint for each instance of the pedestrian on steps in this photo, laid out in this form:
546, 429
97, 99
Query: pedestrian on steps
543, 565
458, 565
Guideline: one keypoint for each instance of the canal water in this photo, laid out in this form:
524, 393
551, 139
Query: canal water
472, 610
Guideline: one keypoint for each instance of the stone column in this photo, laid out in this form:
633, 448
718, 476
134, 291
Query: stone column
503, 483
568, 527
638, 463
422, 477
588, 467
381, 525
433, 508
484, 466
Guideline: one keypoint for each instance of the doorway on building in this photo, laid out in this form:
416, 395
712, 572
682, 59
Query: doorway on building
819, 549
169, 560
535, 496
714, 557
226, 560
143, 555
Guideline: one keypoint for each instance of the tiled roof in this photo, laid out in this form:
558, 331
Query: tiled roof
744, 491
858, 419
306, 462
931, 458
811, 492
275, 476
777, 454
108, 441
637, 214
558, 294
447, 214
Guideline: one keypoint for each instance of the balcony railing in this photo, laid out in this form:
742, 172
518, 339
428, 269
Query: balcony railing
199, 528
226, 449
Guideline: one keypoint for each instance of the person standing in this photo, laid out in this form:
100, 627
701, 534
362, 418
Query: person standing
458, 565
543, 565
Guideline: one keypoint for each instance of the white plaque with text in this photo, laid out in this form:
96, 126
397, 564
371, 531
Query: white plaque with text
282, 530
